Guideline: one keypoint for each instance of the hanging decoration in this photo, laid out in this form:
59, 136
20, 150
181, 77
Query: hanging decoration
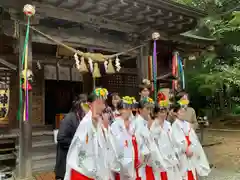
117, 64
90, 62
96, 71
174, 71
155, 37
29, 11
105, 65
110, 68
178, 72
77, 62
83, 66
92, 57
181, 72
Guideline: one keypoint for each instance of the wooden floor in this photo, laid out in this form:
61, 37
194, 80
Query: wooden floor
45, 176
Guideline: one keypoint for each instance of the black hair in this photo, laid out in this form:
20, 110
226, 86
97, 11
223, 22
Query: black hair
157, 108
144, 85
181, 93
120, 105
109, 100
91, 97
76, 105
142, 104
175, 107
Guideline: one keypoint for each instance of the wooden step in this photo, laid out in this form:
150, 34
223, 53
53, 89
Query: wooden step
44, 144
9, 156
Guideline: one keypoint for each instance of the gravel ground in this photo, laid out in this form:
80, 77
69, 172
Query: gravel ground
225, 156
222, 175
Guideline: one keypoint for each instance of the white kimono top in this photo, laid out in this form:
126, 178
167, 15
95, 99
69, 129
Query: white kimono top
130, 147
163, 138
185, 139
156, 158
87, 152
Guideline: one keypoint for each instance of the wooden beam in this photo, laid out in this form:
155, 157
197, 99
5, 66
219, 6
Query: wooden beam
77, 38
16, 4
9, 65
59, 2
73, 16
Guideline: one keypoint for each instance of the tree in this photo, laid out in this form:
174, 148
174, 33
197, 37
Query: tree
217, 72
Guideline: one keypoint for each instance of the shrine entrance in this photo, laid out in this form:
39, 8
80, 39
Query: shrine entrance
58, 98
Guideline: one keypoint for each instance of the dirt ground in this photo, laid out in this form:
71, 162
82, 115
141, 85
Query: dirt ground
224, 156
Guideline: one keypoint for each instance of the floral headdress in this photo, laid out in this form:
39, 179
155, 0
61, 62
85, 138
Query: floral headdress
129, 102
147, 102
184, 101
101, 93
162, 100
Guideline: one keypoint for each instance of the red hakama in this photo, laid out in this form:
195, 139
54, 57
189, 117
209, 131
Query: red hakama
78, 176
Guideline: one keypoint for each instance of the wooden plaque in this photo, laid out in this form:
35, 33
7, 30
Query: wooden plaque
50, 72
64, 73
76, 75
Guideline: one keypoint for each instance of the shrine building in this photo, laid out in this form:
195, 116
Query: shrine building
96, 26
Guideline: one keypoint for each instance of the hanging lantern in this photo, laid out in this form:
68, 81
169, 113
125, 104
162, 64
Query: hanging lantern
83, 66
110, 68
96, 71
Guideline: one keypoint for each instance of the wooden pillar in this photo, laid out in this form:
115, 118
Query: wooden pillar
139, 65
144, 61
25, 137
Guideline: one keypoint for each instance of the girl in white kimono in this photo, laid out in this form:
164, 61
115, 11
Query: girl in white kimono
132, 151
193, 161
86, 159
161, 131
143, 123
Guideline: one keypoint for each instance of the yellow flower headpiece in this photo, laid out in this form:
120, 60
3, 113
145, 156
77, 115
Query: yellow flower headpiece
101, 93
128, 100
164, 103
183, 102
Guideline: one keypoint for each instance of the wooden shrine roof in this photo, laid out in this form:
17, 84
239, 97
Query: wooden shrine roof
128, 16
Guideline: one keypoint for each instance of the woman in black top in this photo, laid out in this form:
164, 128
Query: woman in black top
66, 132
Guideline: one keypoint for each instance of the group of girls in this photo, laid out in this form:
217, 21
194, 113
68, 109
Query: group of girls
139, 144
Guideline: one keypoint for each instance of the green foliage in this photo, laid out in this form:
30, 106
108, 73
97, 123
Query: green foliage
236, 110
217, 72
